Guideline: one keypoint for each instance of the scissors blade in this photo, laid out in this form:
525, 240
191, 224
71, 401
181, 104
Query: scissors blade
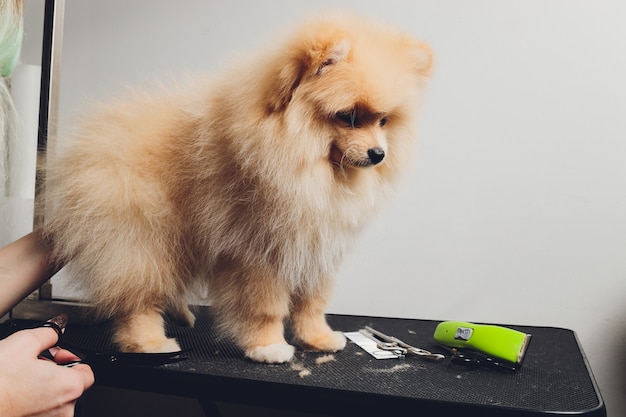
97, 358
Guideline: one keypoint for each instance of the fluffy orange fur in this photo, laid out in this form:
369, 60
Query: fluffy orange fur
253, 184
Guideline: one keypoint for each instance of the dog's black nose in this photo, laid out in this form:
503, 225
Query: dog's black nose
376, 155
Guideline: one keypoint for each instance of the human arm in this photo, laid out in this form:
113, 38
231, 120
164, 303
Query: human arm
24, 265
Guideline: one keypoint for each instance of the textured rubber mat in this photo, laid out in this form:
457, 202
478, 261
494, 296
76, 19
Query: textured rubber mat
553, 378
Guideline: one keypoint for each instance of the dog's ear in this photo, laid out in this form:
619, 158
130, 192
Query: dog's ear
306, 59
422, 57
337, 53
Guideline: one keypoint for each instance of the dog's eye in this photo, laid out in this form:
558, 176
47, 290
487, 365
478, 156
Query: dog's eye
348, 118
344, 117
382, 121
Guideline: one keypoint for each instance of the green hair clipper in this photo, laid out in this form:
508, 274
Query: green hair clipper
494, 341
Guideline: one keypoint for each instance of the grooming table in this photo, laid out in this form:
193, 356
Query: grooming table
555, 377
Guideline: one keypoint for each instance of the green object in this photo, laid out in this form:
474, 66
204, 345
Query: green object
496, 341
11, 33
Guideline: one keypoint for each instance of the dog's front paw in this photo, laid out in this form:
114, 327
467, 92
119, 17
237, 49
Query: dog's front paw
328, 342
276, 353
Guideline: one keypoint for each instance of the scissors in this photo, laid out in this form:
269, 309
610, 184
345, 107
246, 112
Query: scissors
397, 346
99, 358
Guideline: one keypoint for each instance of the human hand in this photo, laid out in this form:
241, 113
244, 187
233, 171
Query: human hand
30, 386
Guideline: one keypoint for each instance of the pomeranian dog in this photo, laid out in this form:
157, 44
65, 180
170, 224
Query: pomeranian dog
253, 184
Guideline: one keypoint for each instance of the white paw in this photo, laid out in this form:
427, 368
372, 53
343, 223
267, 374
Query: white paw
276, 353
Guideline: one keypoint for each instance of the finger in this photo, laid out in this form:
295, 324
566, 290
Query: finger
42, 336
33, 341
86, 373
62, 356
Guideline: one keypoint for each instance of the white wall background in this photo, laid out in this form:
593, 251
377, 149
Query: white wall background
516, 209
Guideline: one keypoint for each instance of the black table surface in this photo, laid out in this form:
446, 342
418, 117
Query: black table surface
555, 377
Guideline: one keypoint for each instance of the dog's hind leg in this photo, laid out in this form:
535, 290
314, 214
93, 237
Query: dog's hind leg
143, 331
135, 291
142, 286
114, 221
145, 281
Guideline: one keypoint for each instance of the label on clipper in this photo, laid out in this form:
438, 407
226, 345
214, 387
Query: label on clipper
463, 333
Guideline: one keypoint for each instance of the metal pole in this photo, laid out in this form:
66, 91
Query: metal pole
48, 106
